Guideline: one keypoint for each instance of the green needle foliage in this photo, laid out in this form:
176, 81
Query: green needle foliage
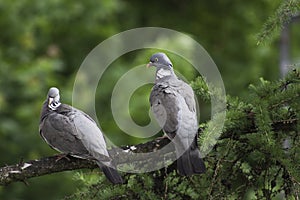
281, 17
249, 161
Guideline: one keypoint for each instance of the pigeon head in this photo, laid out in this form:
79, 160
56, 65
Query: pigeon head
163, 65
53, 98
160, 60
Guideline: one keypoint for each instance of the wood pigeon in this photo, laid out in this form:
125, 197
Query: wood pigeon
173, 105
72, 132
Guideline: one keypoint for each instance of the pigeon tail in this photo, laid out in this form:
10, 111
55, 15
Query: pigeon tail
191, 162
112, 174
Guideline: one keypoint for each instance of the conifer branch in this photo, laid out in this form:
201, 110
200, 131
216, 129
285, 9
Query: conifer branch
284, 14
241, 120
49, 165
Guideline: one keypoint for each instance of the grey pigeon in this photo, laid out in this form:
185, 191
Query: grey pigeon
72, 132
173, 105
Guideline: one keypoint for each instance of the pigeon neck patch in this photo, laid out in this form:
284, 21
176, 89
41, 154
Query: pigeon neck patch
160, 73
54, 105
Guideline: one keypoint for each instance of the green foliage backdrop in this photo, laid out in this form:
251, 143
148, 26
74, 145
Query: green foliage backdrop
42, 44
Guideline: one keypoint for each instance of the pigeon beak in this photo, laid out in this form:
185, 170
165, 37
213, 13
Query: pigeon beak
150, 64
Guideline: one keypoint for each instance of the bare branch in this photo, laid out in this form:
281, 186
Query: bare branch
48, 165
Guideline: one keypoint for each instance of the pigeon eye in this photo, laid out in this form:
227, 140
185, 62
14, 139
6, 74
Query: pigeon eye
156, 59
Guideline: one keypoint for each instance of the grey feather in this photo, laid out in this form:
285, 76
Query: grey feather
173, 104
71, 131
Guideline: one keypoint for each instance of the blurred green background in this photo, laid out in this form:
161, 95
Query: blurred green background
43, 43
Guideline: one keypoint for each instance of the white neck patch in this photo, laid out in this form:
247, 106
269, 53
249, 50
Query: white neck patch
54, 105
162, 73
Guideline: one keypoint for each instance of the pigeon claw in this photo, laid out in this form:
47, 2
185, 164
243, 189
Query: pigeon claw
62, 156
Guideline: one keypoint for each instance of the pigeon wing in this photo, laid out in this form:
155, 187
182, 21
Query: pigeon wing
59, 132
91, 136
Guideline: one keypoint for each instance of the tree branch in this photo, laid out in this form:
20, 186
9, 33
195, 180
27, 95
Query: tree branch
48, 165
